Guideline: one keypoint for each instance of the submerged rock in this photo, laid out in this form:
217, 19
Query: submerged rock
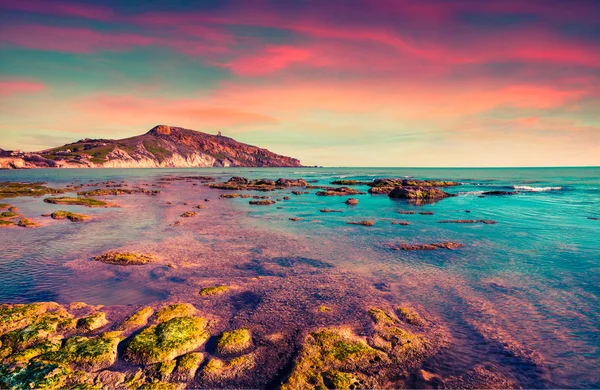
339, 191
351, 201
264, 202
331, 211
28, 223
484, 221
363, 223
500, 193
214, 290
433, 246
479, 377
189, 214
137, 319
125, 258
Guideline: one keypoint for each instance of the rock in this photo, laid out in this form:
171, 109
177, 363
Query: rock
484, 221
410, 316
229, 196
418, 193
286, 198
291, 182
352, 201
200, 206
137, 319
87, 202
433, 246
330, 211
28, 223
174, 311
339, 191
593, 218
92, 322
235, 341
479, 378
187, 365
110, 379
406, 212
167, 340
265, 202
238, 180
403, 223
363, 223
426, 212
124, 258
342, 182
73, 217
189, 214
295, 219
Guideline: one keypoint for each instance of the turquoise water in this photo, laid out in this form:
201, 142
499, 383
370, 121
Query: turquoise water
535, 274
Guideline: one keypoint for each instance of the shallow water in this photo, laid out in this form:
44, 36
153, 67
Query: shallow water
534, 276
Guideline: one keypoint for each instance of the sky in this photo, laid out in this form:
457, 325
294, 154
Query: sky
332, 82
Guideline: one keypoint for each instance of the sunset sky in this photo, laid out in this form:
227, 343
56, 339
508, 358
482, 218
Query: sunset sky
331, 82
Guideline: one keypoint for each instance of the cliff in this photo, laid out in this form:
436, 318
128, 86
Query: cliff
161, 147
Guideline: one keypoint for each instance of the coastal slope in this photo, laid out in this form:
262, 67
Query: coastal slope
161, 147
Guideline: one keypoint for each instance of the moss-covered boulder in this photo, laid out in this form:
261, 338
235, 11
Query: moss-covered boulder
175, 310
167, 340
18, 316
125, 258
92, 322
214, 290
73, 217
41, 327
410, 316
187, 365
137, 319
88, 354
38, 375
234, 341
334, 356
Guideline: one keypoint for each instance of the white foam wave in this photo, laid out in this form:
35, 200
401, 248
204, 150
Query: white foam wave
536, 189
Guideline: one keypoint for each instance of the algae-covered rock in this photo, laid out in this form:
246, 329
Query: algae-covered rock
18, 316
37, 375
234, 341
110, 379
214, 290
28, 223
218, 369
137, 319
88, 354
187, 365
340, 380
41, 327
410, 316
92, 322
479, 378
167, 340
124, 258
23, 357
87, 202
175, 310
327, 354
73, 217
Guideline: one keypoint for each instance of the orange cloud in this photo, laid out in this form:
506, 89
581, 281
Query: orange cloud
9, 87
271, 59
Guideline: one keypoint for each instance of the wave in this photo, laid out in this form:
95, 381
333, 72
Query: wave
536, 189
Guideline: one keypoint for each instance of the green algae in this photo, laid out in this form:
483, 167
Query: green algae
124, 258
23, 357
218, 369
175, 310
87, 202
8, 214
234, 341
42, 327
73, 217
167, 340
187, 365
214, 290
137, 319
323, 309
16, 189
92, 322
6, 223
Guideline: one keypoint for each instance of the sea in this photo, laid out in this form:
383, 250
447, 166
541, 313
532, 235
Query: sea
532, 279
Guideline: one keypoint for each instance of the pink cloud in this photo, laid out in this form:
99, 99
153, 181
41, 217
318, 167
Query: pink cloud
9, 87
269, 60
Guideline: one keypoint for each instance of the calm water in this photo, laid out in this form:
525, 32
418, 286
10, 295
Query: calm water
535, 275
